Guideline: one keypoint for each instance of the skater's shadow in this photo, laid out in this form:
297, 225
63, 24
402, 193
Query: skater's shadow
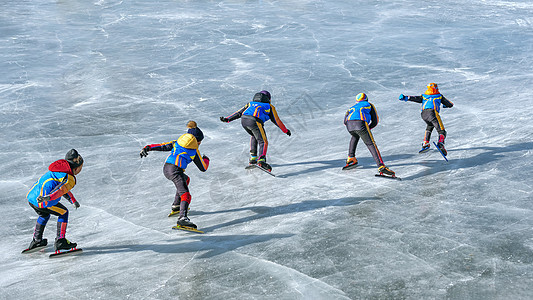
265, 211
321, 165
314, 166
489, 155
212, 245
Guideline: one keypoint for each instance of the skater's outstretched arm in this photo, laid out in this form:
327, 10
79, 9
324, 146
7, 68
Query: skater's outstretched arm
417, 99
236, 115
161, 147
157, 147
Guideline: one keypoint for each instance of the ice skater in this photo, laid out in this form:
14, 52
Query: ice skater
253, 117
431, 101
44, 198
359, 121
183, 151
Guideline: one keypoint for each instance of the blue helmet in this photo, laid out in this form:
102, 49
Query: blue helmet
198, 134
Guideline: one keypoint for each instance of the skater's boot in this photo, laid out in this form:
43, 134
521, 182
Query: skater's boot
184, 208
185, 221
263, 164
175, 209
253, 160
441, 148
440, 144
425, 147
384, 170
350, 163
64, 244
37, 244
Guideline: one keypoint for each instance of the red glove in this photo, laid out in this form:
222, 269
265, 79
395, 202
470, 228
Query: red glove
206, 161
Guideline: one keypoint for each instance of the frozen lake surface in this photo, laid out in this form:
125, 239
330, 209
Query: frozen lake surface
107, 77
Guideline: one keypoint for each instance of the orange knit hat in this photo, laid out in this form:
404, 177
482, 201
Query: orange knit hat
432, 89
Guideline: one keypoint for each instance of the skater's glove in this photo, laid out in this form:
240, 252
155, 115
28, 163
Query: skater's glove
206, 160
144, 151
288, 132
41, 199
76, 204
224, 119
403, 97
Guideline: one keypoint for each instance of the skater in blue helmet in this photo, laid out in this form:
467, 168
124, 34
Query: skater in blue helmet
44, 198
359, 121
431, 101
253, 116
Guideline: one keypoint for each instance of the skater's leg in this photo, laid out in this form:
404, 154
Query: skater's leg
180, 180
39, 228
353, 144
432, 118
184, 204
183, 196
62, 212
368, 139
40, 225
427, 134
183, 220
253, 146
259, 135
440, 127
249, 126
262, 140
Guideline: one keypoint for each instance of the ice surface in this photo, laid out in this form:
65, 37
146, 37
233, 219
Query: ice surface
107, 77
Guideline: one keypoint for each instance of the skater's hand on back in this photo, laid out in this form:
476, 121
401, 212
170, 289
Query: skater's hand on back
41, 199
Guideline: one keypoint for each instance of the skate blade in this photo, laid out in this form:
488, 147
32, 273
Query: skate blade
176, 213
173, 213
28, 251
349, 167
66, 252
187, 228
388, 176
440, 151
269, 172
